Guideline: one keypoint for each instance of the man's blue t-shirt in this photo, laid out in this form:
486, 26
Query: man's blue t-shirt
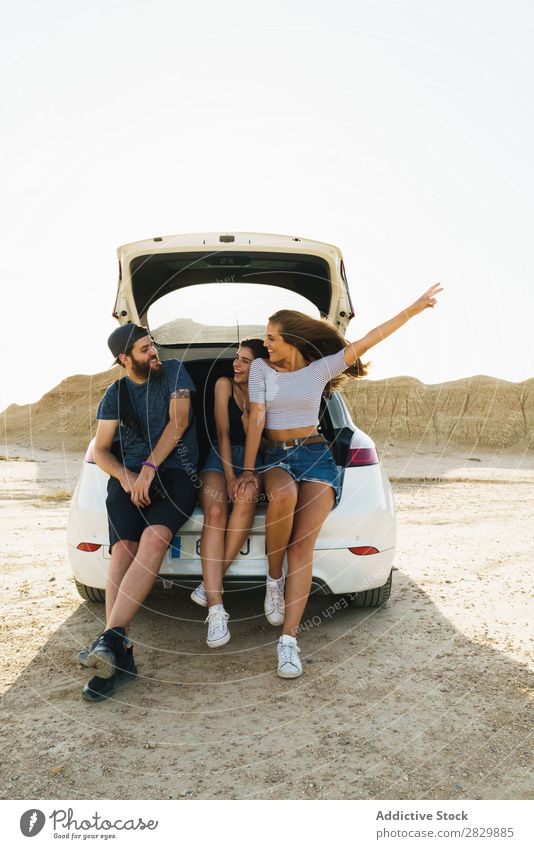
150, 400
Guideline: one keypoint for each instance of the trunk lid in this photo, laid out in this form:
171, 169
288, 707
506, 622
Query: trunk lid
154, 268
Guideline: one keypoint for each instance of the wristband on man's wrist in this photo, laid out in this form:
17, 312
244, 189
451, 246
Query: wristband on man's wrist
152, 466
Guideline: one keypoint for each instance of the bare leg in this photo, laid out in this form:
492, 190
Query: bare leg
139, 578
122, 554
215, 507
282, 493
314, 503
238, 527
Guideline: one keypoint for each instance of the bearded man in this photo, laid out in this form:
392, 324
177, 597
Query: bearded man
150, 492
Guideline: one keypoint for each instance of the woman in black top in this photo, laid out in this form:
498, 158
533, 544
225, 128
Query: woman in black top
223, 537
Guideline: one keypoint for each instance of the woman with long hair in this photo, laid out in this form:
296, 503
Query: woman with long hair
222, 537
306, 356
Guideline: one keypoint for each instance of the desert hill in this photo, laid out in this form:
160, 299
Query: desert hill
480, 411
477, 411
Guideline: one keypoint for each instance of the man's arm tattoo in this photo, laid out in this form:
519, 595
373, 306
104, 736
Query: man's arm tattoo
181, 393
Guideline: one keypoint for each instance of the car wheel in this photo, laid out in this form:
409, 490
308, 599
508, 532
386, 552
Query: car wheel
90, 593
371, 598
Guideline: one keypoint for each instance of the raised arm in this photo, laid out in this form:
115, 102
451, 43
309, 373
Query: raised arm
357, 349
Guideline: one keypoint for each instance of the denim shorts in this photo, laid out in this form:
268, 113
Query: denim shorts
308, 462
214, 462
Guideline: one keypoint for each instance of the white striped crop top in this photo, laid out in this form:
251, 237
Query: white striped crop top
293, 398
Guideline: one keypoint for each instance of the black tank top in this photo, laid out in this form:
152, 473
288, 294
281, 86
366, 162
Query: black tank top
237, 432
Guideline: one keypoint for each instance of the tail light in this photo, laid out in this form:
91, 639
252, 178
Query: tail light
362, 550
89, 546
361, 456
89, 456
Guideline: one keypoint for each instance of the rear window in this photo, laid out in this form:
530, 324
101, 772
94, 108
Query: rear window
220, 312
156, 275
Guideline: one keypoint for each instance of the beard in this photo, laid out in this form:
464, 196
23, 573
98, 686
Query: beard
144, 371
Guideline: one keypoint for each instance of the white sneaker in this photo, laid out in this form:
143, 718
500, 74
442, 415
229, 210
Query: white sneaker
218, 633
199, 595
289, 665
274, 603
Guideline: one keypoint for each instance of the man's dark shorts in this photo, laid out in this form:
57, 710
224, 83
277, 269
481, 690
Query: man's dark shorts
126, 521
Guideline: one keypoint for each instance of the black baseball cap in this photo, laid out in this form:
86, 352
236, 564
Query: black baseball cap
124, 337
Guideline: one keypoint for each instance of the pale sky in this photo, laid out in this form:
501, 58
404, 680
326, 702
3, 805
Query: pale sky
400, 131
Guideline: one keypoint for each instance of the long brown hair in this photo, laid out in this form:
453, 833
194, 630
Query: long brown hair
316, 338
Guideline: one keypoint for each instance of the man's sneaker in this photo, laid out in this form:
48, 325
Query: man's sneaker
84, 653
274, 602
218, 633
289, 665
98, 688
199, 595
108, 653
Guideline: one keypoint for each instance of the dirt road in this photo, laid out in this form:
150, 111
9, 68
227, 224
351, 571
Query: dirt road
425, 698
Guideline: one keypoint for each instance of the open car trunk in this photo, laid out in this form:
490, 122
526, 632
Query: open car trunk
154, 270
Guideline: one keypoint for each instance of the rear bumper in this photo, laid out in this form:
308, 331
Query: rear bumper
335, 570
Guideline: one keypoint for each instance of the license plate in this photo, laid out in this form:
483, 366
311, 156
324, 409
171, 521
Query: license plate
188, 548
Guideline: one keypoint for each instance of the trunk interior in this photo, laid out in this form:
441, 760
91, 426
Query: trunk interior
205, 372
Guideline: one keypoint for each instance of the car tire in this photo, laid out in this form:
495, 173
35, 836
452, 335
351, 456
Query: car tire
371, 598
90, 593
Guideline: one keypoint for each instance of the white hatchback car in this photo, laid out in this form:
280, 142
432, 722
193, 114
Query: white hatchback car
241, 278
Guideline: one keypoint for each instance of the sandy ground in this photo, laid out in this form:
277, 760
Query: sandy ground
427, 697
